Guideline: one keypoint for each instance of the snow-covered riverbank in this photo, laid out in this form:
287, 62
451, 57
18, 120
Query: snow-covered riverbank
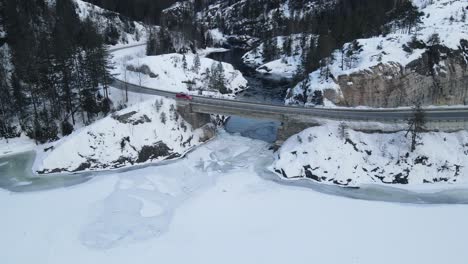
147, 132
216, 206
336, 154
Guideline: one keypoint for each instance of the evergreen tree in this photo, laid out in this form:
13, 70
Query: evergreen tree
159, 42
217, 79
196, 64
184, 62
59, 63
287, 46
270, 49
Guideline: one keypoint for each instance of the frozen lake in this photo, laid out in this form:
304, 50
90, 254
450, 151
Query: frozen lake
221, 205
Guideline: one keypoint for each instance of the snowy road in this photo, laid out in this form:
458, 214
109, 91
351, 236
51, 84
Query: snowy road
276, 111
219, 205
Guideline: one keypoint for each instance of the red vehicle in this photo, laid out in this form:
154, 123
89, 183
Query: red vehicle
184, 96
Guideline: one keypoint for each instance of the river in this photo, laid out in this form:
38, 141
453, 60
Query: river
16, 175
261, 89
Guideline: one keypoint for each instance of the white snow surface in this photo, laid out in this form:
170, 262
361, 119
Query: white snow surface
112, 142
444, 17
214, 207
170, 74
15, 145
332, 155
217, 37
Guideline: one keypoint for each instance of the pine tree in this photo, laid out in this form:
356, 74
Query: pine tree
163, 117
217, 80
270, 49
287, 46
58, 64
6, 113
184, 62
196, 64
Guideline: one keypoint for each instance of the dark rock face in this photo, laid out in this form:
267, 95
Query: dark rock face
439, 77
155, 151
128, 118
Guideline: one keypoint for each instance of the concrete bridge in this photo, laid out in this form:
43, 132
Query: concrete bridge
295, 119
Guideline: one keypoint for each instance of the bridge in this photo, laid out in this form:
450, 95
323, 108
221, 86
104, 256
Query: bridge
294, 118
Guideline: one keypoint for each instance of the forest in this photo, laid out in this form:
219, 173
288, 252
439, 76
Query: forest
52, 70
148, 11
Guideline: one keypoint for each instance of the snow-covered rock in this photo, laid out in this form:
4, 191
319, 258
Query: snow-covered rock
255, 17
287, 58
335, 154
401, 67
167, 72
147, 132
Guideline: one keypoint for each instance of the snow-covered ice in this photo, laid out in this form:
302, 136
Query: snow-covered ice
217, 206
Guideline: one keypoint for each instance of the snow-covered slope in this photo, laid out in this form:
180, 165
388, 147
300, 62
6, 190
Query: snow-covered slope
335, 154
254, 17
288, 52
167, 72
442, 33
116, 28
146, 132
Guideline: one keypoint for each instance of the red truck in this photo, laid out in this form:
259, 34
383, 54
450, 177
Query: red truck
184, 96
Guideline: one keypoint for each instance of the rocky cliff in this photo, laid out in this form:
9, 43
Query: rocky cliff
438, 77
401, 68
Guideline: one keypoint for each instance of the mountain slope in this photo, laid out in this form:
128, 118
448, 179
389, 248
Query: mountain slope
116, 28
426, 62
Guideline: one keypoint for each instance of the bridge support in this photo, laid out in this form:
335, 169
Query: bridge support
196, 120
290, 127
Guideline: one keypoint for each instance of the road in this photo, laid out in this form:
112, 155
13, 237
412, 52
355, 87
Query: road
255, 109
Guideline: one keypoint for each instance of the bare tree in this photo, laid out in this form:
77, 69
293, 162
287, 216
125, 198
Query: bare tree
416, 125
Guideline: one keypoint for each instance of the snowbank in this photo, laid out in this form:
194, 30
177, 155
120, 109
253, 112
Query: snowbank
167, 72
334, 154
147, 132
16, 145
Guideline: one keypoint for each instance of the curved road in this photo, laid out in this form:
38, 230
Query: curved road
211, 105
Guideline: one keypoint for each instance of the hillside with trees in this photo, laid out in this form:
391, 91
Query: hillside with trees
54, 70
148, 11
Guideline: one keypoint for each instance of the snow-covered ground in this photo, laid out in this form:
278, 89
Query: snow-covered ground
216, 207
447, 18
25, 144
15, 145
146, 132
335, 154
168, 72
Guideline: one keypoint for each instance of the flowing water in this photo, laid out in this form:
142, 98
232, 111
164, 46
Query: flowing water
260, 89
